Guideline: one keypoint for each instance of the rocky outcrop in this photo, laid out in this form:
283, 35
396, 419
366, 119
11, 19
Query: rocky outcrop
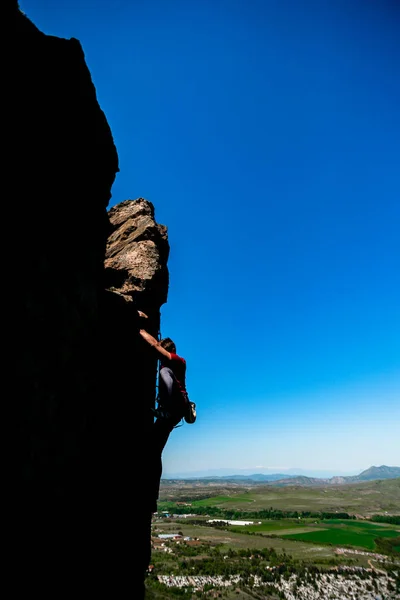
81, 381
137, 254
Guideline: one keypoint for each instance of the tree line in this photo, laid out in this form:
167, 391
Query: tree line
270, 513
393, 519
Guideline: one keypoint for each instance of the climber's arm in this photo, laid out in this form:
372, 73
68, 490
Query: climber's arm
152, 340
154, 343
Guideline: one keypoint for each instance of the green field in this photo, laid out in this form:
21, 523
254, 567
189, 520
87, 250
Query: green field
346, 533
330, 531
224, 500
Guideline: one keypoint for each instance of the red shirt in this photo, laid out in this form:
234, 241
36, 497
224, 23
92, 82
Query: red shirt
177, 364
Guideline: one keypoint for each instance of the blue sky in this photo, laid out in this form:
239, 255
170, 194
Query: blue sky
267, 136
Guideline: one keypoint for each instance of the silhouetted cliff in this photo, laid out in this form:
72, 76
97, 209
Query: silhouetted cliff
82, 382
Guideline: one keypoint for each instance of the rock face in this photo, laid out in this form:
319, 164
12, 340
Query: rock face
136, 277
81, 379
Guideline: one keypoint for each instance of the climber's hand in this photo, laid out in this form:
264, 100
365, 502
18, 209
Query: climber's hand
142, 314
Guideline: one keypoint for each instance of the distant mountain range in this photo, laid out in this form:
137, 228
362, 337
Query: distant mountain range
267, 471
283, 479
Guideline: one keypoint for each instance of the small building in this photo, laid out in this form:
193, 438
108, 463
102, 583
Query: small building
228, 522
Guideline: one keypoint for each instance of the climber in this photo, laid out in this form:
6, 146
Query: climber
172, 377
172, 394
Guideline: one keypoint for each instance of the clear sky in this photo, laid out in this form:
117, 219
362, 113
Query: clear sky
267, 135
